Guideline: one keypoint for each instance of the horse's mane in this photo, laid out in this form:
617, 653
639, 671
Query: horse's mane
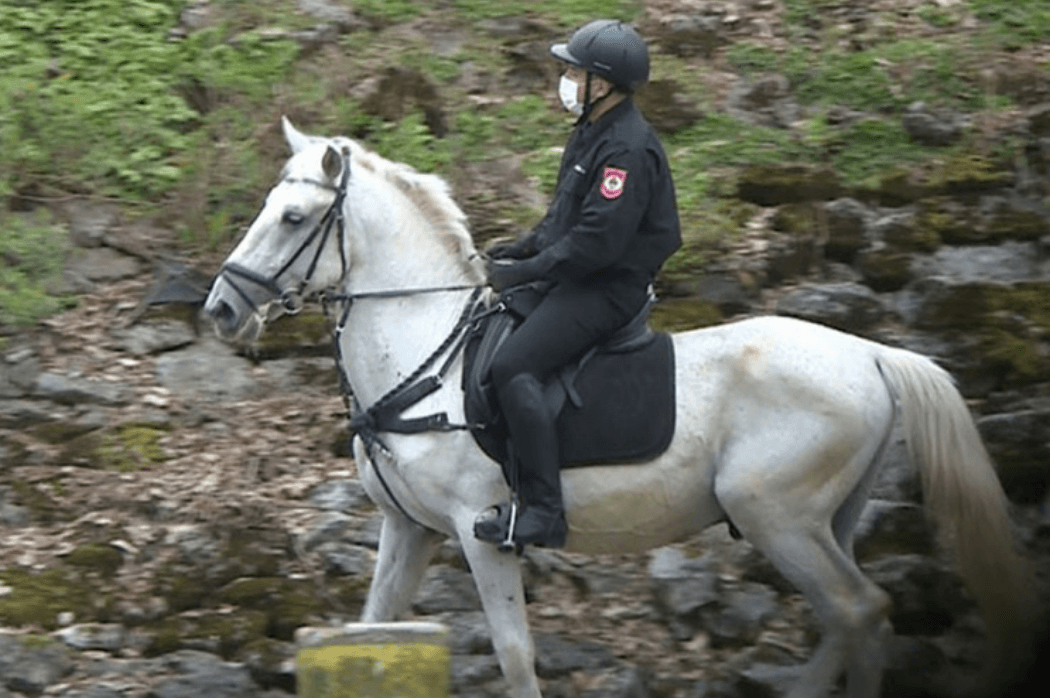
432, 197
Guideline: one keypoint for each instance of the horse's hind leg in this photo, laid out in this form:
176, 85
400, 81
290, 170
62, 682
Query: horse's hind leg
851, 609
790, 524
405, 550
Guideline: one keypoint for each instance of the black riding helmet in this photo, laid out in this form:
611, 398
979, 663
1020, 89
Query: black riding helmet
608, 48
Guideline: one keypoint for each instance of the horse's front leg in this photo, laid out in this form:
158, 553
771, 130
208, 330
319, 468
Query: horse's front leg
405, 550
498, 579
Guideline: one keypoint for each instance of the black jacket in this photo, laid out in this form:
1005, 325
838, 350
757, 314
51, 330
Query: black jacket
613, 216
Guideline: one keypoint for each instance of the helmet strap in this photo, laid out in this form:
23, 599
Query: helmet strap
588, 105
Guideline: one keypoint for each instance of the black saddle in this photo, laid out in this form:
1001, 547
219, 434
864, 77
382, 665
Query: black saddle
615, 405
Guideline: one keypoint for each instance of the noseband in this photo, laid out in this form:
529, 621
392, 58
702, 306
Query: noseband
291, 299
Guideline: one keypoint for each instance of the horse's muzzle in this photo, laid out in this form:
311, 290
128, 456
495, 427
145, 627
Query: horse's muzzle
224, 317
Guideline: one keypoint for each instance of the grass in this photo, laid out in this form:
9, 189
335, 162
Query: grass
190, 127
32, 251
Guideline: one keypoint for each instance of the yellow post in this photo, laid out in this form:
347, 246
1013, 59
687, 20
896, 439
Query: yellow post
373, 660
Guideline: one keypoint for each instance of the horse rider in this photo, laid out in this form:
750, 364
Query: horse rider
612, 222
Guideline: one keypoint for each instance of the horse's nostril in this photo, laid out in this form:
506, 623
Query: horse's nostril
222, 314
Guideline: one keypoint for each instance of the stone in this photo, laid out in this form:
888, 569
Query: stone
473, 669
884, 269
11, 514
618, 682
682, 585
556, 656
446, 588
328, 527
208, 370
87, 267
739, 616
926, 594
108, 637
71, 390
203, 674
665, 108
789, 257
1039, 119
773, 185
936, 128
887, 527
764, 101
341, 494
848, 307
102, 690
398, 91
331, 13
89, 222
30, 667
469, 632
898, 229
767, 680
1010, 262
1019, 443
154, 338
20, 414
726, 291
691, 35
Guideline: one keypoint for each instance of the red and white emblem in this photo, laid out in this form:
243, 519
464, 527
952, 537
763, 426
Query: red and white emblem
613, 181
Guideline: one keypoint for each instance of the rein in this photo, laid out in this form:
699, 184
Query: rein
385, 414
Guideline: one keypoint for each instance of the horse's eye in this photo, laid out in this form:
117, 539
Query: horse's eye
293, 218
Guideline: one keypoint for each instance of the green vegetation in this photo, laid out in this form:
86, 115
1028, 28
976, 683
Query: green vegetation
100, 98
38, 599
1014, 24
32, 249
565, 14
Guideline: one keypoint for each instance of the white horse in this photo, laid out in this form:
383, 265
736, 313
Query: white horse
780, 423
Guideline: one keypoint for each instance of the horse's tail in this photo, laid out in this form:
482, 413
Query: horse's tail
964, 498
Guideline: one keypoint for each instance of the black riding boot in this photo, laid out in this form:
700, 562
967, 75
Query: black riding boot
541, 520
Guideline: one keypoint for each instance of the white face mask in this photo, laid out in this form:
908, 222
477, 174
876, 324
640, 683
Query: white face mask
567, 90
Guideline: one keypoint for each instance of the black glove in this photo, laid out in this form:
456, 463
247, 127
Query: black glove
505, 273
508, 250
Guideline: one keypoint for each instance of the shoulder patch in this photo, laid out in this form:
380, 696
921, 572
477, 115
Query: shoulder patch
613, 181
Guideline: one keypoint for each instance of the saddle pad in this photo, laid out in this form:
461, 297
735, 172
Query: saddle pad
628, 407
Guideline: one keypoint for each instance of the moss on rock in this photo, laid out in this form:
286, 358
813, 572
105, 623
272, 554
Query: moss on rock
994, 221
184, 591
800, 219
1008, 326
40, 505
98, 557
885, 269
968, 174
295, 334
773, 185
223, 633
38, 599
288, 603
681, 314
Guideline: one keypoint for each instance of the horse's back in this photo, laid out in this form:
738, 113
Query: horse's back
783, 358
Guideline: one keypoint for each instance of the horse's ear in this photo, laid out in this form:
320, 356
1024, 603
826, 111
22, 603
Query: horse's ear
297, 140
332, 163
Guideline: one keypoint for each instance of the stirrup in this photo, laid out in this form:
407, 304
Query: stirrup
497, 524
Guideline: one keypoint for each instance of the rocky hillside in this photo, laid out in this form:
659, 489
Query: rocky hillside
879, 167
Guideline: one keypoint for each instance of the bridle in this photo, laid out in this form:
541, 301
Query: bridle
384, 415
292, 299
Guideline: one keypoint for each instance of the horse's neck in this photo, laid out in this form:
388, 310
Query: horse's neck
386, 339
